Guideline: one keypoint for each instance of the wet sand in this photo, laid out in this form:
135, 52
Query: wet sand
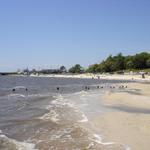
129, 121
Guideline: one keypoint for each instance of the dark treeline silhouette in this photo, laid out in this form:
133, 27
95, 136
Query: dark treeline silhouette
120, 63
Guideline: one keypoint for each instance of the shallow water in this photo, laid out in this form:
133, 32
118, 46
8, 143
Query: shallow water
45, 118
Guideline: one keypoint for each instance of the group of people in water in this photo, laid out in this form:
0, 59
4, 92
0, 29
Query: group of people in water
100, 87
85, 88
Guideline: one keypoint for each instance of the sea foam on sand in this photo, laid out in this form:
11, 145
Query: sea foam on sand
6, 142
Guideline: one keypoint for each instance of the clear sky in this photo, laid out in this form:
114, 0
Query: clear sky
45, 33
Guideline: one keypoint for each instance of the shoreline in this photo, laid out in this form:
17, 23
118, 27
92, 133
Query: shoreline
128, 122
116, 117
128, 77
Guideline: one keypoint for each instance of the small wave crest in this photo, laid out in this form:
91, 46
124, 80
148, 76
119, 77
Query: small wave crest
19, 87
60, 101
98, 139
16, 95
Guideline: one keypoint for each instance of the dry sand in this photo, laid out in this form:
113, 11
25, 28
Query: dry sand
132, 77
129, 121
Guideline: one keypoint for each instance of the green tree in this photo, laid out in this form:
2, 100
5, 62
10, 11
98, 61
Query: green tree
140, 60
108, 65
148, 63
92, 68
119, 62
76, 69
63, 69
129, 64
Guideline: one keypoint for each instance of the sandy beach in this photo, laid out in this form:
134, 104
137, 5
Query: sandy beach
113, 117
129, 77
129, 121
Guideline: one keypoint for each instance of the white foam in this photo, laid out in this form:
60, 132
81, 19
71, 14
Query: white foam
85, 119
40, 95
35, 95
61, 134
16, 95
98, 139
90, 145
60, 102
59, 97
18, 145
19, 87
52, 115
82, 93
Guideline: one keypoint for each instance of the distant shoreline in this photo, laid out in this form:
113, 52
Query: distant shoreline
129, 77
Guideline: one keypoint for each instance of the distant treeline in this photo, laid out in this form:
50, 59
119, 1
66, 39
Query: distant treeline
120, 62
117, 63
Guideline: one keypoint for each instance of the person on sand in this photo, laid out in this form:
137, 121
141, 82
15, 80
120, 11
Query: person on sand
143, 75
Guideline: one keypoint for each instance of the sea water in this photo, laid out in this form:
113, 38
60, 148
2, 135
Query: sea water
40, 116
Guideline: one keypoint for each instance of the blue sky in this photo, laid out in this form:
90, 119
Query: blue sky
49, 33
